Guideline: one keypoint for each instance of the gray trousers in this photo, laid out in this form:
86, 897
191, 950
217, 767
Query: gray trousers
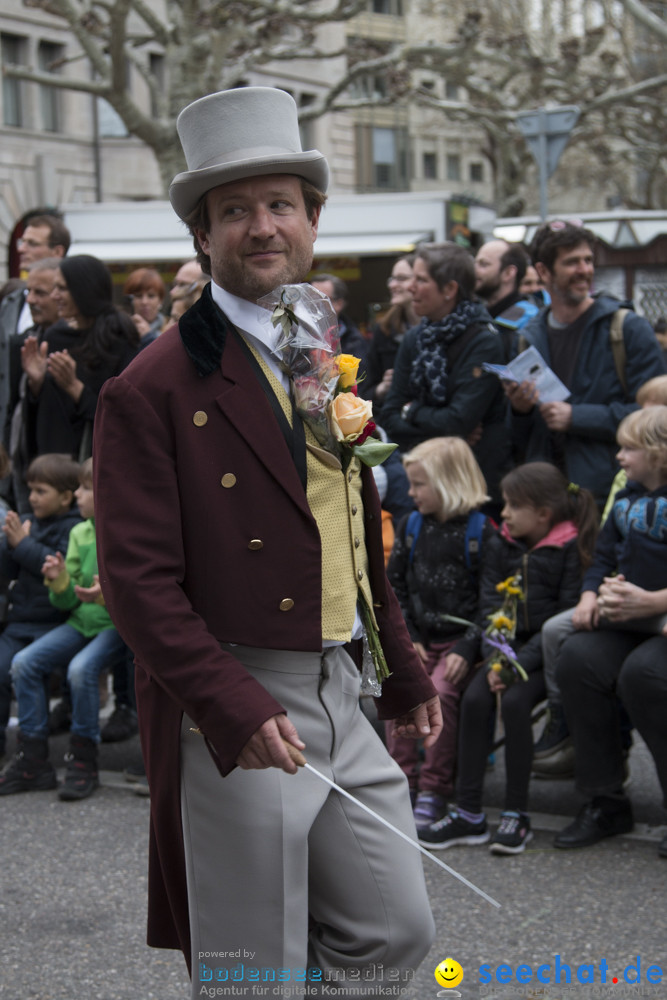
288, 881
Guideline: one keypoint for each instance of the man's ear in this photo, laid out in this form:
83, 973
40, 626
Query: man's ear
543, 272
202, 239
315, 220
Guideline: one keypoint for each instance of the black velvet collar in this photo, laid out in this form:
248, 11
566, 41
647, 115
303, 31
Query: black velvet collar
203, 329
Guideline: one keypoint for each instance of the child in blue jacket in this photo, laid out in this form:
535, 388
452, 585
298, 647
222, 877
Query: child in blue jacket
25, 544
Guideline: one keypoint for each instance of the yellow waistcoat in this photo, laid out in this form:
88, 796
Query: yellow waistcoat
334, 498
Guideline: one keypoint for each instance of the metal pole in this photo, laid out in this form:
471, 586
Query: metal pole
542, 162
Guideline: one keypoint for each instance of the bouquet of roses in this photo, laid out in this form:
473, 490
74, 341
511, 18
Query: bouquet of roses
324, 380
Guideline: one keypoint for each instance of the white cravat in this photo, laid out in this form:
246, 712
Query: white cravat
255, 322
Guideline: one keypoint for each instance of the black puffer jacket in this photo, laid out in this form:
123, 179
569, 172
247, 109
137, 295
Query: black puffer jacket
550, 580
439, 582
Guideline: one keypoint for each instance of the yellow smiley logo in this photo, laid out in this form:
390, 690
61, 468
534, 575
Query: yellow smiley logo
448, 973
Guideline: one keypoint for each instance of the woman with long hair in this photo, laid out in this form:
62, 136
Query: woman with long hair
66, 371
439, 388
387, 334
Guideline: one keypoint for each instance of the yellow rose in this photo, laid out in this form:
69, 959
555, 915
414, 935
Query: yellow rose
349, 416
348, 366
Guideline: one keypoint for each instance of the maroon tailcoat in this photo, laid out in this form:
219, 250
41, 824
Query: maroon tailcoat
205, 536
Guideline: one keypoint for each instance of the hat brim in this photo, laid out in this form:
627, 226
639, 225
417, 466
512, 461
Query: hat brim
188, 187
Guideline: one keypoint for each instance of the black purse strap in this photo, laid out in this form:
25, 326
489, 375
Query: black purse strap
295, 436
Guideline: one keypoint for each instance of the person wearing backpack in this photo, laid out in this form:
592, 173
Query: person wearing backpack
433, 569
601, 352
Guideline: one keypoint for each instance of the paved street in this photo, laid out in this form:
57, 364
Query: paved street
72, 905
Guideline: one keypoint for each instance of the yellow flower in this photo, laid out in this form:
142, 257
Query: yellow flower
348, 367
496, 666
349, 415
500, 621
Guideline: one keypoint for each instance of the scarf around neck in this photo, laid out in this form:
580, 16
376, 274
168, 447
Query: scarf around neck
428, 374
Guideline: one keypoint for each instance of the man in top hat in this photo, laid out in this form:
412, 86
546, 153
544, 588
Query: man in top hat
234, 556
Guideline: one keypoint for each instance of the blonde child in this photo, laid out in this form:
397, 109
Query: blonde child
619, 645
433, 569
547, 536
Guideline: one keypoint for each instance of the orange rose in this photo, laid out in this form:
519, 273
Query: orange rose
348, 367
349, 415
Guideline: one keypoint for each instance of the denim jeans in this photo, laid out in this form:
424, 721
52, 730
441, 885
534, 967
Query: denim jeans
14, 638
84, 658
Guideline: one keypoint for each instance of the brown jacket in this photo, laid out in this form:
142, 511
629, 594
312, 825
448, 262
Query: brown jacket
190, 469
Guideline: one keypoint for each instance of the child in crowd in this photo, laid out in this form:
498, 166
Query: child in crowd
554, 755
52, 480
84, 644
547, 537
619, 643
433, 570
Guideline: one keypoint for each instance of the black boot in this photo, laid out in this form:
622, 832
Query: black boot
555, 735
30, 769
81, 775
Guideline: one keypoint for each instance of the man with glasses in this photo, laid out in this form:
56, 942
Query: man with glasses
44, 236
575, 337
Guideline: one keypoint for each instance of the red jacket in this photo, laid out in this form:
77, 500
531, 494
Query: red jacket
190, 469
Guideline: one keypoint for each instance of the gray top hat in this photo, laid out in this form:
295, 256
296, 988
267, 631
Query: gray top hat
241, 133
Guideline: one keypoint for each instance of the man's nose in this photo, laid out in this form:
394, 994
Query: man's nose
262, 223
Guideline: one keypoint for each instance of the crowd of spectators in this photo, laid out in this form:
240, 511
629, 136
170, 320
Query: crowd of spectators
466, 438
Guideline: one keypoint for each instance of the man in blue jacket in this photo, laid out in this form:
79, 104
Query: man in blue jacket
574, 338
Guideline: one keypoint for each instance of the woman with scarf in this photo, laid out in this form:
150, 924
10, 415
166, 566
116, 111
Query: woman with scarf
66, 371
439, 388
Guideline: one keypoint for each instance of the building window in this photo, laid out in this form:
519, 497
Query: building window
49, 58
430, 164
392, 7
382, 159
13, 50
477, 172
453, 167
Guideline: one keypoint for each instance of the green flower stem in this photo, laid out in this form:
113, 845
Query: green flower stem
382, 671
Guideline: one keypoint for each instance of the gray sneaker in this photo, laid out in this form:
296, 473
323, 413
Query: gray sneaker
453, 829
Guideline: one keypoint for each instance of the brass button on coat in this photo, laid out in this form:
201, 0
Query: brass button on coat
229, 479
200, 418
286, 604
255, 543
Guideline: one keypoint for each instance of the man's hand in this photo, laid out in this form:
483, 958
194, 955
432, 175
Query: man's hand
15, 530
557, 416
621, 601
33, 362
423, 722
522, 395
266, 748
586, 615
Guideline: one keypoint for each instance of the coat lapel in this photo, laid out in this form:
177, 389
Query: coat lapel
206, 335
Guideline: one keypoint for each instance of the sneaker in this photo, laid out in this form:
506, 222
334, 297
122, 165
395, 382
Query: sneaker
30, 770
121, 725
429, 808
555, 734
60, 717
81, 774
453, 829
512, 835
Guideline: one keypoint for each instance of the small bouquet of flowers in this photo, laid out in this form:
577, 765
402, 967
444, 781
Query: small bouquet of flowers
502, 628
324, 380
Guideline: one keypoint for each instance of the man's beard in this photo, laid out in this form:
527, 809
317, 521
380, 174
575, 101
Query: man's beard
252, 283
